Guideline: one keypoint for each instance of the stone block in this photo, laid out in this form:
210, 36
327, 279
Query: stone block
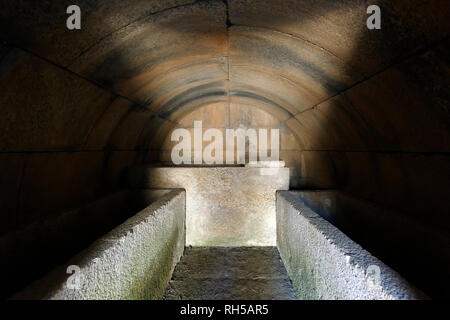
225, 206
324, 263
133, 261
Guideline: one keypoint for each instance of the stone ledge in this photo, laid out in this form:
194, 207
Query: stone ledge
133, 261
61, 236
324, 263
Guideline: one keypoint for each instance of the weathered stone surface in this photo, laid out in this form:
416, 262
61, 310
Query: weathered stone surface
408, 183
239, 273
324, 263
233, 116
386, 234
368, 108
305, 74
293, 162
12, 171
173, 51
59, 237
131, 127
48, 187
339, 27
247, 116
107, 125
214, 115
55, 113
133, 261
41, 27
114, 168
225, 206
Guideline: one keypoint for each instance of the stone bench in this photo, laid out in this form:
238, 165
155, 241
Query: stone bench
133, 261
323, 263
225, 206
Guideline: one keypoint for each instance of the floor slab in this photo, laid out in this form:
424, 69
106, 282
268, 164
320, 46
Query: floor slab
230, 273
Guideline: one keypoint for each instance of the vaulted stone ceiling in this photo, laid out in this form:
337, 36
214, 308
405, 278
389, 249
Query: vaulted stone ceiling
173, 56
369, 108
137, 67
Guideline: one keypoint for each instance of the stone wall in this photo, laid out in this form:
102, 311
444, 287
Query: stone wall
133, 261
31, 251
225, 206
78, 107
406, 244
368, 109
223, 115
324, 263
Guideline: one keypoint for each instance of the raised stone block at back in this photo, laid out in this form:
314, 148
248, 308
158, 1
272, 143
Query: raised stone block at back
225, 206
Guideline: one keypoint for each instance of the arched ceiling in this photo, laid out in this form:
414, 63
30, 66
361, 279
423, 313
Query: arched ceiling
369, 109
170, 57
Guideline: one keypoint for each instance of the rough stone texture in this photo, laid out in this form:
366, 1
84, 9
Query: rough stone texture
239, 273
225, 206
324, 263
49, 188
405, 182
133, 261
363, 105
234, 116
338, 27
10, 184
312, 64
171, 57
386, 234
59, 237
21, 20
55, 113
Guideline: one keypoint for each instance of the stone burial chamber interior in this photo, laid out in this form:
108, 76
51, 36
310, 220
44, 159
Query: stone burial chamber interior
86, 176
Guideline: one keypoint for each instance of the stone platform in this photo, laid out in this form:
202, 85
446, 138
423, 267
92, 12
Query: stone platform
225, 206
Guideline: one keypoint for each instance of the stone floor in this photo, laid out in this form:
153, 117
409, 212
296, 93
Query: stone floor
230, 273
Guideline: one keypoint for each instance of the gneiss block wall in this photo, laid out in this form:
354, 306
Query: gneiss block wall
324, 263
